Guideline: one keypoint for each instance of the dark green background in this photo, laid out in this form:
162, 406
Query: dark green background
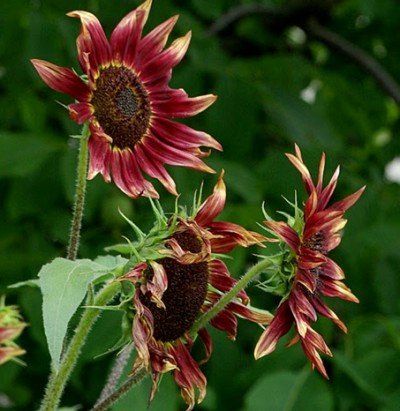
258, 70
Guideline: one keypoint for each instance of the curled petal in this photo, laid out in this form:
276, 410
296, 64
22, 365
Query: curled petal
230, 235
136, 274
285, 232
208, 344
297, 161
214, 204
80, 112
62, 79
278, 327
333, 288
158, 284
188, 375
100, 156
222, 280
91, 40
250, 313
9, 332
225, 321
349, 201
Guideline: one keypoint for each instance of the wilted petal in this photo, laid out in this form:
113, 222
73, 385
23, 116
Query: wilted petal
278, 327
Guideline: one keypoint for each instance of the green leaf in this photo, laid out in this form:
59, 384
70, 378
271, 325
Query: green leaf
64, 284
288, 391
21, 154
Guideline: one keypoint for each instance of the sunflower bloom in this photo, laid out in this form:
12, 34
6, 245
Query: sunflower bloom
125, 97
315, 274
11, 326
172, 292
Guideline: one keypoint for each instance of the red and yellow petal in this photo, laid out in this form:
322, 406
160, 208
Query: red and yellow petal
278, 327
62, 79
91, 40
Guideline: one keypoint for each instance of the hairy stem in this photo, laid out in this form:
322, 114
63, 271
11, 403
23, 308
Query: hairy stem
115, 375
58, 379
80, 192
117, 394
232, 293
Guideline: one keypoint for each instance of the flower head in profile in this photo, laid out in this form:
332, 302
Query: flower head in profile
172, 292
309, 239
125, 97
11, 326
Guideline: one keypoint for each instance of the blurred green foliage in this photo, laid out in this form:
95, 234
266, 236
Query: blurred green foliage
276, 86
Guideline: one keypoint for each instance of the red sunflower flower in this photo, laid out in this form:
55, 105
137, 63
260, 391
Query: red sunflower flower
172, 292
126, 99
315, 274
11, 326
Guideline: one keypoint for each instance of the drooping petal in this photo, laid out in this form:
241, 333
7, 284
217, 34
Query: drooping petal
80, 112
100, 156
188, 376
171, 155
278, 327
230, 235
154, 168
62, 79
220, 279
208, 344
182, 136
285, 232
91, 40
250, 313
127, 175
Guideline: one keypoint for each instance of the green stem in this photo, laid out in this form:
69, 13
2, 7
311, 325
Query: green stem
80, 191
117, 394
232, 293
57, 381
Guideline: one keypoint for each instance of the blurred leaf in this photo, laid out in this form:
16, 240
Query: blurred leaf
287, 391
21, 154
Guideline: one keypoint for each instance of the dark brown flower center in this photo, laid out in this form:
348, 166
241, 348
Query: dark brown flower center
316, 242
121, 106
186, 292
188, 241
187, 289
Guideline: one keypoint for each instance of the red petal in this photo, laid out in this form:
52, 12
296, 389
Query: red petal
183, 136
213, 205
168, 154
153, 43
127, 175
349, 201
80, 112
154, 168
183, 106
208, 344
125, 38
222, 280
225, 321
91, 40
62, 79
279, 326
188, 375
250, 313
161, 63
100, 155
285, 232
